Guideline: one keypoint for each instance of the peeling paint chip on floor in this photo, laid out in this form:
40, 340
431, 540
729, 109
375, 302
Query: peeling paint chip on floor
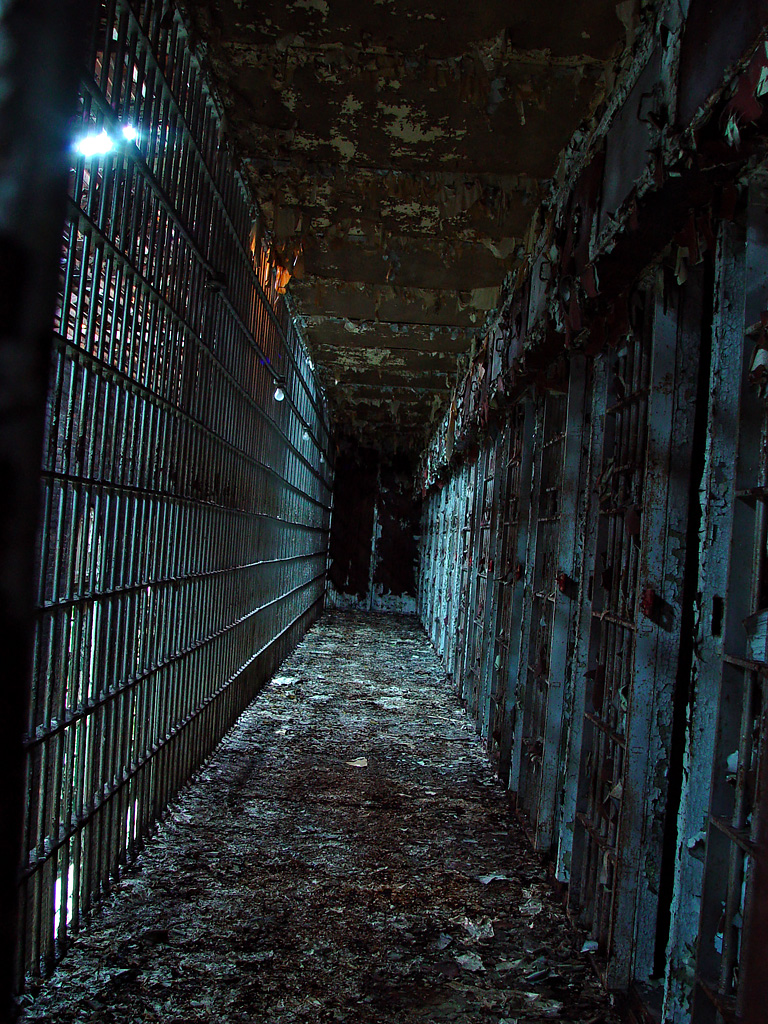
287, 887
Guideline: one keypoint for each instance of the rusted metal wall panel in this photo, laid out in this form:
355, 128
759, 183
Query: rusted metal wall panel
717, 502
539, 680
586, 524
471, 533
493, 591
487, 590
588, 711
662, 690
642, 511
541, 729
185, 504
516, 767
513, 558
629, 139
671, 409
731, 668
565, 595
510, 562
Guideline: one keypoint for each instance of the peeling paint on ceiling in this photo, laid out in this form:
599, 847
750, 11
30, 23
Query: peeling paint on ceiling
398, 155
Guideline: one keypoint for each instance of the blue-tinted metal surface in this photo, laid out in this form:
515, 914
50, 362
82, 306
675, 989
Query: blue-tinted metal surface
185, 512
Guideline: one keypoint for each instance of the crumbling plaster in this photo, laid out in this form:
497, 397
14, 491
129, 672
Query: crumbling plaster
399, 156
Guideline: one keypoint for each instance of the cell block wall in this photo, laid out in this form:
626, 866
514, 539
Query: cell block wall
185, 510
723, 823
594, 576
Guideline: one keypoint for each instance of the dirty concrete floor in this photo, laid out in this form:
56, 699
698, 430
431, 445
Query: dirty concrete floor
346, 855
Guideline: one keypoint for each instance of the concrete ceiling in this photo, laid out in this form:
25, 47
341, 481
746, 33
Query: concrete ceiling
398, 152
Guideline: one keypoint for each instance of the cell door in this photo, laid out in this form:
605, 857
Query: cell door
730, 947
640, 502
483, 571
513, 503
469, 529
551, 591
533, 753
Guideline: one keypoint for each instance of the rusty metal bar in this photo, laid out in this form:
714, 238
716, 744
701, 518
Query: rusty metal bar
512, 567
483, 609
538, 756
519, 687
585, 546
611, 642
501, 641
627, 638
471, 535
566, 575
498, 540
183, 544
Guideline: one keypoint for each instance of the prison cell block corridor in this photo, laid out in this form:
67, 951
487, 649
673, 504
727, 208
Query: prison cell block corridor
384, 511
347, 854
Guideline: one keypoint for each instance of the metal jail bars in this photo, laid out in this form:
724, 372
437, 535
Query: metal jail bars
586, 705
185, 510
40, 44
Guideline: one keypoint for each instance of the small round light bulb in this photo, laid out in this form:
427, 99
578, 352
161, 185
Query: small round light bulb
279, 394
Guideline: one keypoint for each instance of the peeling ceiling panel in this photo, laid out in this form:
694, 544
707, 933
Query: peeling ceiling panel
358, 301
408, 263
334, 333
398, 153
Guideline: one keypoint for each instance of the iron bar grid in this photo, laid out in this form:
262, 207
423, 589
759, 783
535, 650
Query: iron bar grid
662, 787
185, 512
619, 495
534, 696
509, 573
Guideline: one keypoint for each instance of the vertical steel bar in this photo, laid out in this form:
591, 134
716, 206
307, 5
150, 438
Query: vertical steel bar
151, 635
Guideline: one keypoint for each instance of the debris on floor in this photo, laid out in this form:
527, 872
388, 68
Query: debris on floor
346, 855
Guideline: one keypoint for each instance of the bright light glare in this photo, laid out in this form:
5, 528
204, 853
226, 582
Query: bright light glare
129, 133
57, 908
95, 145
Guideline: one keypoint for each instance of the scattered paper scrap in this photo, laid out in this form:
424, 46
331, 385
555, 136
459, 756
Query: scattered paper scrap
509, 965
531, 905
478, 930
470, 962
